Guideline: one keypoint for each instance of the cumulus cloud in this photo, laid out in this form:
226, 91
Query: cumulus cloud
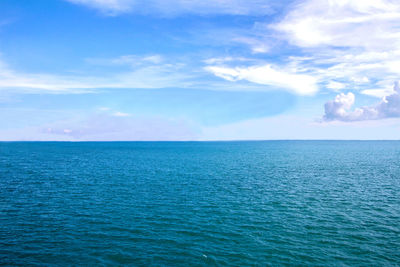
177, 7
268, 75
340, 108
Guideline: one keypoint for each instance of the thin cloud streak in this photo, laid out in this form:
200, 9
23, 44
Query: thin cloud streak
149, 75
268, 75
106, 127
170, 8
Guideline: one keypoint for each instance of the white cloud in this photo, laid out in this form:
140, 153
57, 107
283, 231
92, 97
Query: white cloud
260, 49
356, 42
339, 108
344, 23
221, 60
121, 114
110, 7
379, 93
13, 79
340, 44
335, 85
141, 73
129, 60
177, 7
257, 46
281, 127
109, 112
148, 74
105, 127
268, 75
287, 127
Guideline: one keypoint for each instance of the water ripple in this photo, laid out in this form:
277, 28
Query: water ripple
200, 204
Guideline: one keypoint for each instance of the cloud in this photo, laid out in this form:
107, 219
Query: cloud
178, 7
147, 72
379, 93
351, 41
10, 78
121, 114
110, 7
340, 108
268, 75
258, 46
335, 85
221, 60
129, 60
105, 127
343, 23
297, 127
337, 43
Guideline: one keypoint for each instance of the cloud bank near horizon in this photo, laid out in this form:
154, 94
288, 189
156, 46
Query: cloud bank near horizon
340, 108
115, 126
297, 83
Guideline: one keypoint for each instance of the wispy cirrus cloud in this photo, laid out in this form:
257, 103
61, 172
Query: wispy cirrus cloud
354, 43
129, 60
156, 72
339, 44
121, 114
336, 45
270, 76
105, 127
142, 72
120, 126
178, 7
109, 7
343, 23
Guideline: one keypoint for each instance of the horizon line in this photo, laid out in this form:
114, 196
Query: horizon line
233, 140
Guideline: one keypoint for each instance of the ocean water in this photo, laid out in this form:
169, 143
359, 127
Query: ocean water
324, 203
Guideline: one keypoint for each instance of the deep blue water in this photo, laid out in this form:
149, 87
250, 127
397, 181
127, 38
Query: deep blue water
200, 203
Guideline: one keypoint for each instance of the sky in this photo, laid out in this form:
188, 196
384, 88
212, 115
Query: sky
116, 70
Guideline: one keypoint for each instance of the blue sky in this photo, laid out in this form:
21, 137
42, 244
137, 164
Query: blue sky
199, 70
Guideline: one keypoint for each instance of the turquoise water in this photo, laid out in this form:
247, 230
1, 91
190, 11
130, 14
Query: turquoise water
200, 204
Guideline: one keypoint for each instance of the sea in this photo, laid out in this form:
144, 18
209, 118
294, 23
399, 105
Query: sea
248, 203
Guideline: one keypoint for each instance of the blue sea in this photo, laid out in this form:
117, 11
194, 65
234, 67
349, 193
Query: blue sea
323, 203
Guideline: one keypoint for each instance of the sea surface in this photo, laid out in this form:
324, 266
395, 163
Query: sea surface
325, 203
